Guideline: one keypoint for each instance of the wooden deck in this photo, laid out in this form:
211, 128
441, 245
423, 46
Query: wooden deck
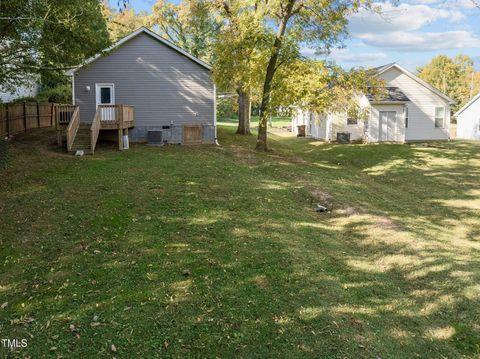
108, 117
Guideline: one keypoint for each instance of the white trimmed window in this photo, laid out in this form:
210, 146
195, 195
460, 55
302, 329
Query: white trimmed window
440, 117
406, 117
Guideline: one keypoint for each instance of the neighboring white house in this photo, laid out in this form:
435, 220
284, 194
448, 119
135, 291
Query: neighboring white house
410, 110
468, 120
27, 90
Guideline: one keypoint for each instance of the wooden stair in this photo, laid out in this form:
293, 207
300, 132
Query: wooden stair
82, 140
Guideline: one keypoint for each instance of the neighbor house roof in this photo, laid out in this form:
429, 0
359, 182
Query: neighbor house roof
381, 69
467, 105
142, 30
391, 94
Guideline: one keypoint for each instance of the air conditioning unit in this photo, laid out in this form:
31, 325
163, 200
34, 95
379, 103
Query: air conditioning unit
343, 137
154, 137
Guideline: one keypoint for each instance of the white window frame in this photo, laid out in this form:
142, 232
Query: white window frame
443, 119
98, 87
406, 116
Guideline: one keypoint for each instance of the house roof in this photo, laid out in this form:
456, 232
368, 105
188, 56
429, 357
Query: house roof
142, 30
381, 69
391, 94
467, 105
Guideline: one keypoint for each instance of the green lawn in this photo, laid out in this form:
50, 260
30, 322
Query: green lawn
217, 251
277, 121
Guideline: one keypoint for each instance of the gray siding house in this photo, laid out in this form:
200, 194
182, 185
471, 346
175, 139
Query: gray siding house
170, 89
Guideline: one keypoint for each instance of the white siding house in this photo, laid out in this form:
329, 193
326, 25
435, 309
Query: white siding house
468, 120
30, 89
410, 110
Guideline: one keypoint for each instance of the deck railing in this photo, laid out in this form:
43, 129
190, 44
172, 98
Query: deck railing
128, 113
121, 115
73, 128
64, 113
94, 131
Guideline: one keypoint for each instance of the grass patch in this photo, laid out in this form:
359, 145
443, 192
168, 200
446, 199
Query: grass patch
277, 121
217, 251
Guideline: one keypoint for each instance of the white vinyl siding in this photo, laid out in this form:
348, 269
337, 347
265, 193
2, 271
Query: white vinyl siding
421, 108
468, 122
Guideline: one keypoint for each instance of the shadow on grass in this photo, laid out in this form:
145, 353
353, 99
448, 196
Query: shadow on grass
184, 251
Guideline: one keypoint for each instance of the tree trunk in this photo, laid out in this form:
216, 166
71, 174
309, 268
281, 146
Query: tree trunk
244, 105
267, 85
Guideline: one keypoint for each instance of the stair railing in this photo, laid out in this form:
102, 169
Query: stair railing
73, 128
95, 129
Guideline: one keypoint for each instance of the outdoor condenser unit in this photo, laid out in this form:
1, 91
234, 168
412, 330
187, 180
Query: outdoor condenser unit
154, 137
343, 137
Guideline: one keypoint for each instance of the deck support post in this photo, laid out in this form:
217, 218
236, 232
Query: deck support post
120, 139
120, 126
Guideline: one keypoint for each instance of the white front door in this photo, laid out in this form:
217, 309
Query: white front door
105, 95
387, 126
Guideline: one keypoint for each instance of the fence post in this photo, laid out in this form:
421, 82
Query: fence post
38, 115
7, 117
24, 117
51, 115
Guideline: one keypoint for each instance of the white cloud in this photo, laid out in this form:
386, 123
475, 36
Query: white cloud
421, 41
405, 17
400, 27
345, 55
307, 52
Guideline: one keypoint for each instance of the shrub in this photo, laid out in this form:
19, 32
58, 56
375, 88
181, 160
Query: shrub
24, 99
59, 94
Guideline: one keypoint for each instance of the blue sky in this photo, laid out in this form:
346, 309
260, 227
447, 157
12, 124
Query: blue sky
410, 33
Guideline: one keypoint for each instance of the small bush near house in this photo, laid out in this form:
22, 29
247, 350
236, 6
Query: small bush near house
59, 94
24, 99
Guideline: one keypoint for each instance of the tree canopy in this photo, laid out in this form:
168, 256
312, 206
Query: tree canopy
290, 24
188, 24
43, 37
456, 77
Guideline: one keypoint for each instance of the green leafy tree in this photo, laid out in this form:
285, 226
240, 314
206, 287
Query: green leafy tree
239, 55
188, 24
123, 21
44, 37
456, 77
286, 25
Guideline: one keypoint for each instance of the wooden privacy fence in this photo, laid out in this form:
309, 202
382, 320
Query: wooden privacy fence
20, 117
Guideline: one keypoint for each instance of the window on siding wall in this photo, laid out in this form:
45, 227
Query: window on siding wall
105, 95
406, 117
352, 121
440, 117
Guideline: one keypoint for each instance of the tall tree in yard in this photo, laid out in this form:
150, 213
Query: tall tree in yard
239, 55
45, 36
316, 23
123, 21
188, 24
456, 77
